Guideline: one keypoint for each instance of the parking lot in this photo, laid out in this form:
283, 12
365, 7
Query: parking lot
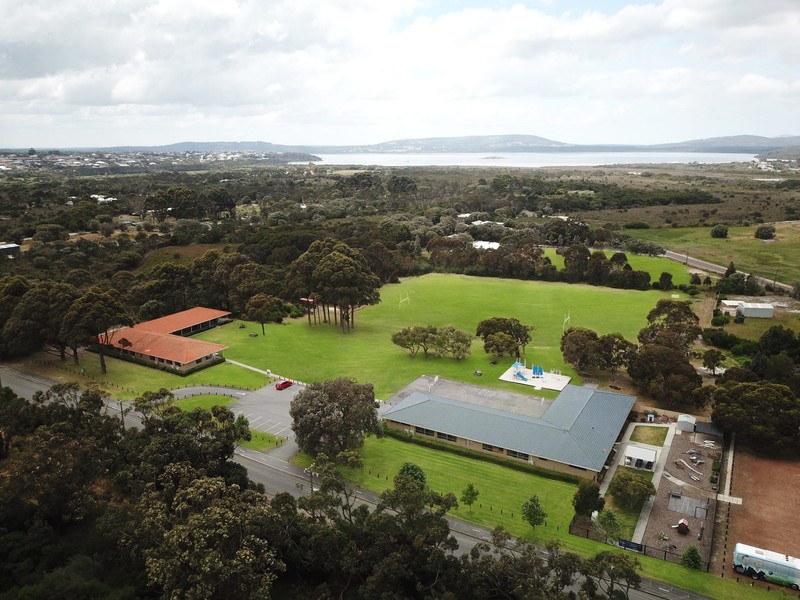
267, 409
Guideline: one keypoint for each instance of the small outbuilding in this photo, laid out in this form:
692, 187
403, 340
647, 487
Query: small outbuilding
9, 250
757, 310
686, 423
640, 458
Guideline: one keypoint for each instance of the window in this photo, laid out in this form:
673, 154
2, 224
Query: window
488, 447
424, 431
446, 436
515, 454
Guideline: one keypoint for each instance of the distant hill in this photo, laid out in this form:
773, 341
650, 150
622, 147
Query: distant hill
472, 143
746, 144
734, 143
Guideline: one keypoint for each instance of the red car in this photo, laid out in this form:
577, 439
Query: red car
282, 385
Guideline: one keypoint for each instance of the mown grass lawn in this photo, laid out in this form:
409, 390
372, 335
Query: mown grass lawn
627, 517
779, 257
314, 353
654, 436
206, 401
505, 490
502, 490
126, 380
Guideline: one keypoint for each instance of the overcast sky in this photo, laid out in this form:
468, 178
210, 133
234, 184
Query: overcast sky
146, 72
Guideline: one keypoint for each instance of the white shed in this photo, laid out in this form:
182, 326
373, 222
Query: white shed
686, 423
9, 250
759, 310
730, 307
640, 458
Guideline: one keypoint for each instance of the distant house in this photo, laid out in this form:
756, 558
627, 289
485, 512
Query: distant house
574, 435
9, 250
161, 343
757, 310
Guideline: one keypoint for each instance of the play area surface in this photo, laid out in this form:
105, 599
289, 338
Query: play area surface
535, 376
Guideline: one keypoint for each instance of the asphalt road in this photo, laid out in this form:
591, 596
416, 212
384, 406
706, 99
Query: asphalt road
277, 475
24, 385
719, 269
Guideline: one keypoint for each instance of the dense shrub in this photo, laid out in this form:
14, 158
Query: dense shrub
720, 320
719, 231
765, 232
720, 339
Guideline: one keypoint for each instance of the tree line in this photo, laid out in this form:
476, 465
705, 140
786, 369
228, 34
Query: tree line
89, 508
759, 400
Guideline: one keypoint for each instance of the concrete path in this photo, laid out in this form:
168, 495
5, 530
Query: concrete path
729, 467
238, 364
658, 470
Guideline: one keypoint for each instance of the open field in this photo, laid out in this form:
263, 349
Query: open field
753, 329
183, 255
767, 517
505, 489
654, 436
312, 353
779, 258
654, 265
125, 380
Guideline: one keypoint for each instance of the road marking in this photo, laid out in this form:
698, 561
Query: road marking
282, 430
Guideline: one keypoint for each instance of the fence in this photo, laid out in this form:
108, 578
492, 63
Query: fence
652, 551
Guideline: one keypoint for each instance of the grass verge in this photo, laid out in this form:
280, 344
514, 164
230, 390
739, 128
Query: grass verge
206, 401
125, 380
261, 441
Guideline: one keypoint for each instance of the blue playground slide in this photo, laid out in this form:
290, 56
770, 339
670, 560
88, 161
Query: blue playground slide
519, 375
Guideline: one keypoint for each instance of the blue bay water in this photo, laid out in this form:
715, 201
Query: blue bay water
531, 159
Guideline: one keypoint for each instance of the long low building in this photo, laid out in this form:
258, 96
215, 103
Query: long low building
161, 343
574, 435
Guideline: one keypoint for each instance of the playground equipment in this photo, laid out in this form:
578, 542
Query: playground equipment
685, 464
682, 526
518, 366
537, 371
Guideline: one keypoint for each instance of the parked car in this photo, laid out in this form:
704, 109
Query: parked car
282, 385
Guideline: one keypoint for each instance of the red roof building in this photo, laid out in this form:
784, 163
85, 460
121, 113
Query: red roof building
186, 322
160, 342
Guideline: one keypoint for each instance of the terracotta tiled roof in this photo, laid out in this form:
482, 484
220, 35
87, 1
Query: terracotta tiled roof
181, 320
163, 345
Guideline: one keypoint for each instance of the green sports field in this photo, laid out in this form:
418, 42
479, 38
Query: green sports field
313, 353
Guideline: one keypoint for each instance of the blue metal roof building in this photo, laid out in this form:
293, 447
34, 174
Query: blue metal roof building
578, 430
